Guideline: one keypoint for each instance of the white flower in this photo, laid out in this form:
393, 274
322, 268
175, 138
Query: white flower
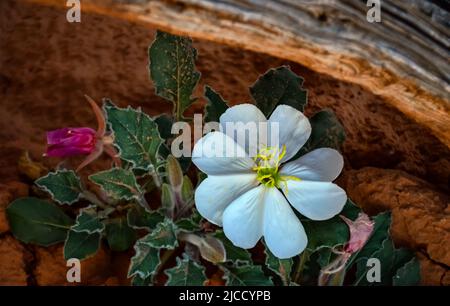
250, 197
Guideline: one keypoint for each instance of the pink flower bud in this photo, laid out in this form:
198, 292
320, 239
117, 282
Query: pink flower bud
360, 231
71, 141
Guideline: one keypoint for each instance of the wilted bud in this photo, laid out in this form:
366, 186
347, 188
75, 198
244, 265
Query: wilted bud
174, 173
210, 248
360, 231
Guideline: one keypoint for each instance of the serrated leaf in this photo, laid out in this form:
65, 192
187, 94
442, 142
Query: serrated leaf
186, 273
37, 221
408, 275
385, 254
118, 183
401, 257
81, 245
234, 253
142, 282
324, 257
119, 235
350, 210
163, 236
136, 136
246, 275
190, 224
325, 234
327, 132
279, 86
215, 105
64, 186
172, 69
282, 267
87, 221
139, 218
164, 123
145, 261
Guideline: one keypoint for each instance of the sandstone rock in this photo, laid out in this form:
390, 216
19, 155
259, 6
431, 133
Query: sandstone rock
12, 262
11, 191
5, 198
51, 267
420, 213
431, 274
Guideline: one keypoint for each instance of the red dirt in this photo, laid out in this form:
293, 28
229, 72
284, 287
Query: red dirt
48, 64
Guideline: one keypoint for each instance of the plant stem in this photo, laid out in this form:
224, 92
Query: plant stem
90, 196
143, 202
300, 266
156, 179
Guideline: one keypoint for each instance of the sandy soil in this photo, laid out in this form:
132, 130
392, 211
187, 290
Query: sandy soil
48, 64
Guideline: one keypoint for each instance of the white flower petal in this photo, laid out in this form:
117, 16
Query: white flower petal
241, 122
243, 218
216, 153
215, 193
315, 200
294, 129
283, 232
323, 164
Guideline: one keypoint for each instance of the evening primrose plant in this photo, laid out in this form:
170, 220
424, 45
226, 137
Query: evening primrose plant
258, 209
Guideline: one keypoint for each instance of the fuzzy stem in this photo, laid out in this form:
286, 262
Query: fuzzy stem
300, 266
156, 179
90, 196
143, 202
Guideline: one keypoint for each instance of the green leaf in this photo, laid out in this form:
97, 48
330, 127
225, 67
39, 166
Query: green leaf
119, 235
215, 107
81, 245
37, 221
190, 224
139, 218
64, 186
234, 254
350, 210
118, 183
328, 233
386, 257
324, 256
139, 281
279, 86
87, 221
327, 132
135, 135
401, 257
281, 267
145, 261
172, 69
246, 275
164, 236
186, 273
408, 275
164, 123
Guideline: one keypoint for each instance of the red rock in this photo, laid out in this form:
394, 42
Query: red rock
12, 262
420, 213
51, 267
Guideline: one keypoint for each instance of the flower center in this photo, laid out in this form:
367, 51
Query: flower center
267, 167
